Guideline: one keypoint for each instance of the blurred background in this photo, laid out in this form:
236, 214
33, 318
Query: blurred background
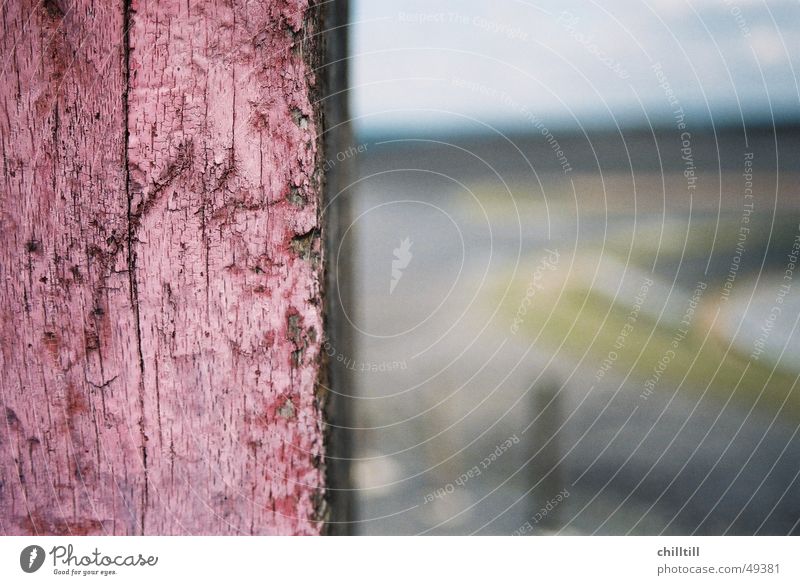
568, 294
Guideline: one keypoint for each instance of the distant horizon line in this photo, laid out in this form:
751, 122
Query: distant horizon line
724, 123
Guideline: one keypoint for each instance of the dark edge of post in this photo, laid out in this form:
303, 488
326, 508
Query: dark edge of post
337, 137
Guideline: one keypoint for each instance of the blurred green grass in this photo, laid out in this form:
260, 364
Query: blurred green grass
582, 321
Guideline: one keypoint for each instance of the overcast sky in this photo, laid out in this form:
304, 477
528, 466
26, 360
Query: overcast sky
420, 63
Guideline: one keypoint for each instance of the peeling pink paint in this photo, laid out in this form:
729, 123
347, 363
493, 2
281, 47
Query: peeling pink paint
161, 303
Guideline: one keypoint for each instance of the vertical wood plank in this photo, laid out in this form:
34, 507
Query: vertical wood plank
226, 251
70, 436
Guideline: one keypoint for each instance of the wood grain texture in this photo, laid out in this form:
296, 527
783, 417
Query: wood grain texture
160, 268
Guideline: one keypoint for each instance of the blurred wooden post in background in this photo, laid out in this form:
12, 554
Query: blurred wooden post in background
160, 267
547, 474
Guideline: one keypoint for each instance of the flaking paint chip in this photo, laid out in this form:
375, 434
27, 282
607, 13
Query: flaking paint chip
287, 410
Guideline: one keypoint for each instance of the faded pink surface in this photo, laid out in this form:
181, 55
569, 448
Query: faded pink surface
161, 304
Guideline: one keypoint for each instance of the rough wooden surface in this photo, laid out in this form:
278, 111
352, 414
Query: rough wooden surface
160, 268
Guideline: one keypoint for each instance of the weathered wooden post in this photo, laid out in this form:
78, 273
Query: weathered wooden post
160, 267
